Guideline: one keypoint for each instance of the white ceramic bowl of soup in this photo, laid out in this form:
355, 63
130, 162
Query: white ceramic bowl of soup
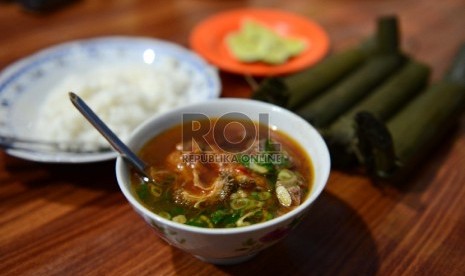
230, 245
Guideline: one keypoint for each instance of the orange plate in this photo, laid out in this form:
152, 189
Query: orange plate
208, 39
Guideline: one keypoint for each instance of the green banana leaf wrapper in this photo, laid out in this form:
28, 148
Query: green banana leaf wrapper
394, 149
383, 103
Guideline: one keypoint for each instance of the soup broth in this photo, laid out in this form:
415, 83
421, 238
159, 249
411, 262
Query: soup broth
222, 173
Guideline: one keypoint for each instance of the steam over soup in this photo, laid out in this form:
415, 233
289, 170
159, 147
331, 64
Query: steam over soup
222, 173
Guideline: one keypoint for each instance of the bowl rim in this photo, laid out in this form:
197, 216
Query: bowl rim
299, 210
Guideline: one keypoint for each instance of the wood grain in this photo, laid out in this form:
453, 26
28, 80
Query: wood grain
73, 220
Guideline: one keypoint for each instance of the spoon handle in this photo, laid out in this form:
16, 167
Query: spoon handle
109, 135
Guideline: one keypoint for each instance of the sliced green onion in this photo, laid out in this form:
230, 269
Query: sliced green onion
283, 196
240, 203
142, 191
255, 204
258, 168
179, 219
202, 221
285, 174
263, 195
231, 219
206, 220
267, 215
155, 190
218, 216
239, 194
241, 222
165, 215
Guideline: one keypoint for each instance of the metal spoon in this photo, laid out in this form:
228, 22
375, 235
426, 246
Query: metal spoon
123, 150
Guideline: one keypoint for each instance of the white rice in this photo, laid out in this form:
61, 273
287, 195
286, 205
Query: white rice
123, 96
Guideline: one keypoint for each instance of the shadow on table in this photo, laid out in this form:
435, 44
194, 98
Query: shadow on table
94, 176
69, 184
331, 240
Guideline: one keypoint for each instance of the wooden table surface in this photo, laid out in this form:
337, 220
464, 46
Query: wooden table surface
58, 219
